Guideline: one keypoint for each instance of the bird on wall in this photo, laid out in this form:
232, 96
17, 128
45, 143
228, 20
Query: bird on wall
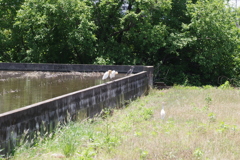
106, 74
130, 71
113, 73
162, 113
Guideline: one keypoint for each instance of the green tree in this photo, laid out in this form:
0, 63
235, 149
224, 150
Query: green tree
202, 43
130, 37
216, 40
8, 11
56, 31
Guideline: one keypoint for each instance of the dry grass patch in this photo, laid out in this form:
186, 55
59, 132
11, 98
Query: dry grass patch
200, 124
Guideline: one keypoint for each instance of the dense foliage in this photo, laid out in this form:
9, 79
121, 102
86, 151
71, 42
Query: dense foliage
192, 42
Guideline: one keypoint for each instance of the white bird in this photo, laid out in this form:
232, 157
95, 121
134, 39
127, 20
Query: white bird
106, 74
113, 73
162, 113
130, 71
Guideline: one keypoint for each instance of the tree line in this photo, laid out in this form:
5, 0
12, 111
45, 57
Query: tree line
190, 42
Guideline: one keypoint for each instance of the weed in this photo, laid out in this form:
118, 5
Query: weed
106, 112
207, 87
68, 148
68, 145
208, 101
111, 141
69, 139
137, 133
87, 154
147, 113
223, 127
198, 153
212, 117
143, 154
226, 85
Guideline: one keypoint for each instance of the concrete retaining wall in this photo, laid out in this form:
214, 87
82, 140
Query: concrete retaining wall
44, 116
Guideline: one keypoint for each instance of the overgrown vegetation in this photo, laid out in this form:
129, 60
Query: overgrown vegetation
200, 123
191, 42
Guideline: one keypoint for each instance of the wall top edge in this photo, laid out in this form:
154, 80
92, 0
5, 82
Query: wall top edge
56, 67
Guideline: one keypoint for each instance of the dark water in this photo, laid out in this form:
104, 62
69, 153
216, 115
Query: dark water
19, 89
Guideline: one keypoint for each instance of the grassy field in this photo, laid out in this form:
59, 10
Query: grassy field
200, 123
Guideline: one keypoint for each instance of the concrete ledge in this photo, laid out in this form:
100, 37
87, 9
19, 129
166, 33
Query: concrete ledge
68, 67
44, 116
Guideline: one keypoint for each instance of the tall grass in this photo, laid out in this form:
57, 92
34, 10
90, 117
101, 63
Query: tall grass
200, 123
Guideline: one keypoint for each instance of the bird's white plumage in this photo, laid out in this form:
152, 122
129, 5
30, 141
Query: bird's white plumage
113, 73
162, 114
106, 74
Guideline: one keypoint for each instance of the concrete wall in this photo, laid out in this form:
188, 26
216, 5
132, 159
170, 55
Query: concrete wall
44, 116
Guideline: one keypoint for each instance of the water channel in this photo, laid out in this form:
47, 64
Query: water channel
19, 89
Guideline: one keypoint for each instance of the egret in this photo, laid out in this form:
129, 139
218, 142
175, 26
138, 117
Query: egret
113, 73
162, 113
106, 74
130, 71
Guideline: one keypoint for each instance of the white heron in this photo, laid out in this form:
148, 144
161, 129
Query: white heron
163, 113
130, 71
113, 73
106, 74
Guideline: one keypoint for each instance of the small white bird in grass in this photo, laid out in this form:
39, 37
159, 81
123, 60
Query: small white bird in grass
113, 73
163, 113
106, 74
